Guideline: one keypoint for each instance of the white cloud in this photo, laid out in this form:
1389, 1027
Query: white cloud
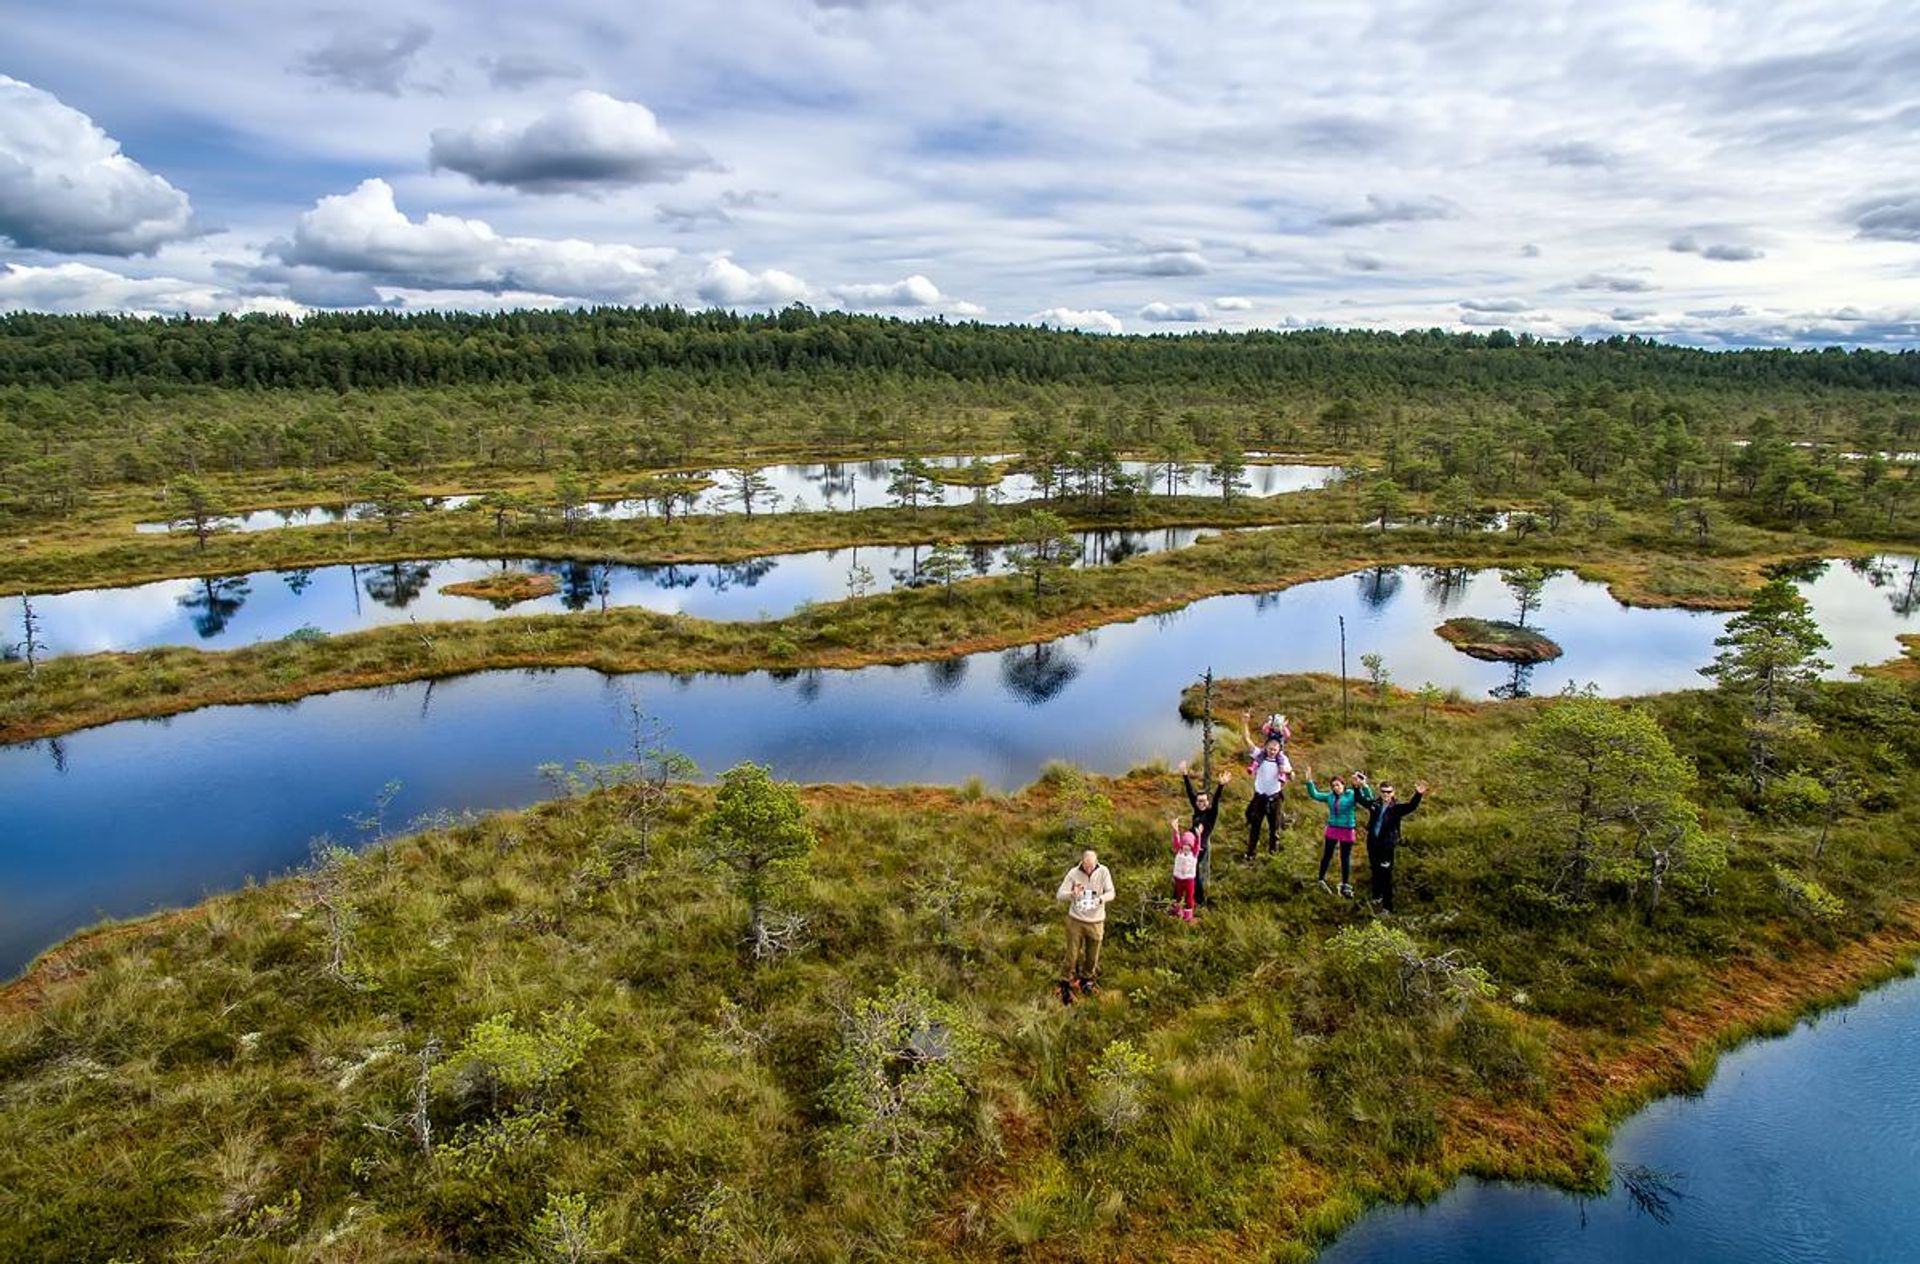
65, 185
590, 143
1163, 263
1182, 313
727, 284
1234, 303
80, 288
914, 292
1361, 261
1496, 305
1092, 321
364, 232
1614, 282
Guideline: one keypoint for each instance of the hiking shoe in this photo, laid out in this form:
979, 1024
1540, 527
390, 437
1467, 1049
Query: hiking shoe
1089, 988
1346, 891
1065, 989
1322, 884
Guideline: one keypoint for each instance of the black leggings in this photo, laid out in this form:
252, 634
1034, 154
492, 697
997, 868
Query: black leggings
1263, 807
1346, 860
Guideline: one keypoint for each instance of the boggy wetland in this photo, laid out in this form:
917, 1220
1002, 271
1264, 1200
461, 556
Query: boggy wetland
455, 820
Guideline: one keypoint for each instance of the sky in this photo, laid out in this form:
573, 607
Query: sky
1717, 174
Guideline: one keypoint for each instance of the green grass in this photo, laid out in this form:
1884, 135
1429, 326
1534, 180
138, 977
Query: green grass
199, 1084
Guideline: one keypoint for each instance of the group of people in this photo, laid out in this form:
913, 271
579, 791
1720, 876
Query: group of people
1088, 887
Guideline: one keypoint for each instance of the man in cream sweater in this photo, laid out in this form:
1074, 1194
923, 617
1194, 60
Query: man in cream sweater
1087, 890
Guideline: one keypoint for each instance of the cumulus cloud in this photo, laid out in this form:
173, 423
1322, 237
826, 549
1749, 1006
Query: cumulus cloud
364, 232
79, 288
1888, 217
915, 291
1725, 251
1092, 321
514, 71
1617, 284
1361, 261
727, 284
1161, 263
1529, 251
1380, 210
1180, 313
1490, 320
1495, 305
1234, 303
65, 185
1578, 153
589, 143
367, 58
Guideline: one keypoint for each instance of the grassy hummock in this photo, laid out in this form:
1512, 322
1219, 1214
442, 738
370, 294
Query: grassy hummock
441, 1046
1496, 640
505, 588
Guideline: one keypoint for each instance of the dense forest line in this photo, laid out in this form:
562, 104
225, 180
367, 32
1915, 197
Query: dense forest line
101, 415
377, 349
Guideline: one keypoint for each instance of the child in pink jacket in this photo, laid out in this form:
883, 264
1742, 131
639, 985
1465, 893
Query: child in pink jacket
1186, 866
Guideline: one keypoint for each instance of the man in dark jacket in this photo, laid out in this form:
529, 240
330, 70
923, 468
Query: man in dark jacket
1384, 814
1206, 811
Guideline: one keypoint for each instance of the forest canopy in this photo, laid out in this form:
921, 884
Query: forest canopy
367, 349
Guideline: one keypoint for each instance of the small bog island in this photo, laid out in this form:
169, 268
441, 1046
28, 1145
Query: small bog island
506, 588
1499, 641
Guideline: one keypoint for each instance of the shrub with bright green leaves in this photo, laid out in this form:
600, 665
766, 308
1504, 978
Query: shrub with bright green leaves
569, 1231
903, 1079
514, 1081
1807, 896
1380, 967
1121, 1084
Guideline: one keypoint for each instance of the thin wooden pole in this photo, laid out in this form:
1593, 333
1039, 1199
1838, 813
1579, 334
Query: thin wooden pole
1346, 715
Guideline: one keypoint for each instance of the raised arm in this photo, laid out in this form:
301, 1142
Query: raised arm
1246, 734
1193, 798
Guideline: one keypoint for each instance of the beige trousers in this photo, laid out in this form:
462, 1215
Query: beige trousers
1083, 947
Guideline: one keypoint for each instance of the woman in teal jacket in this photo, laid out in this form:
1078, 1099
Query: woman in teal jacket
1340, 803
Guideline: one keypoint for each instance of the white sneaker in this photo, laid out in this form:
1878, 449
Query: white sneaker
1346, 891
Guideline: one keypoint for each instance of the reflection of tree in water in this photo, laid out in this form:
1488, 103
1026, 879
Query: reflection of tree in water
1446, 585
834, 481
982, 558
1379, 585
1038, 673
396, 584
1906, 597
669, 576
298, 581
811, 679
212, 605
743, 574
1804, 572
907, 576
1118, 546
945, 674
1518, 684
581, 583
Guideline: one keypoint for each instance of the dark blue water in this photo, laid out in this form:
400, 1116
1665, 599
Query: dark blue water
120, 819
834, 486
1805, 1148
232, 610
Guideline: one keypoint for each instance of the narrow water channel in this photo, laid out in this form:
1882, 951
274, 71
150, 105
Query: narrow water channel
832, 486
224, 611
